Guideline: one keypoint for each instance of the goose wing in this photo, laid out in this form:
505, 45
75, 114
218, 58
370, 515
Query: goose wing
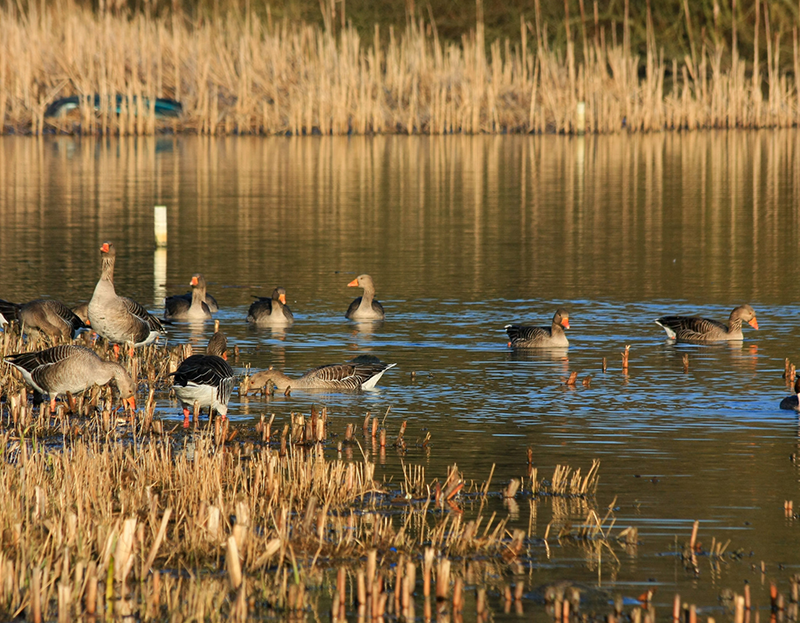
346, 375
691, 328
520, 335
137, 310
207, 370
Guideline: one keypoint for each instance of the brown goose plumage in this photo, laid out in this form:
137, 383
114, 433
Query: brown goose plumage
524, 336
119, 319
73, 369
701, 330
271, 312
47, 316
361, 373
365, 307
195, 308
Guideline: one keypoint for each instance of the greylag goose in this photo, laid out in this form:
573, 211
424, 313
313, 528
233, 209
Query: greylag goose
360, 373
73, 369
365, 307
522, 336
791, 403
195, 308
207, 379
271, 312
82, 312
119, 319
694, 329
209, 300
47, 316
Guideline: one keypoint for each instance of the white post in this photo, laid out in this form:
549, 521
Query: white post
159, 276
160, 225
581, 121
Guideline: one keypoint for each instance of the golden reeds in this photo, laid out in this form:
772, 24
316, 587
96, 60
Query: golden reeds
91, 526
239, 75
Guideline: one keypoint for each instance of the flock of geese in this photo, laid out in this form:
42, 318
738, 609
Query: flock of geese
207, 380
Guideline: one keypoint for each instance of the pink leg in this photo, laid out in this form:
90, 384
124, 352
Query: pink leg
186, 416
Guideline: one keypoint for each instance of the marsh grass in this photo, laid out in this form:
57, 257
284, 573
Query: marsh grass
238, 74
108, 515
104, 519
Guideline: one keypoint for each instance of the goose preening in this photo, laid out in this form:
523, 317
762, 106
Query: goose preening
365, 307
360, 373
194, 308
791, 403
47, 316
695, 329
73, 369
272, 311
119, 319
523, 336
206, 379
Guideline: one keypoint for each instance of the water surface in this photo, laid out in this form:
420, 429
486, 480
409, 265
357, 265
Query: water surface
463, 235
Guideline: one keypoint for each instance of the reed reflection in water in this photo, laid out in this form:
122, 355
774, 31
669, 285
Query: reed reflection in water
696, 216
463, 235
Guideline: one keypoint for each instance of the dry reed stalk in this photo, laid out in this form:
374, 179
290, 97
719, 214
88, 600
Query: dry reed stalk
235, 76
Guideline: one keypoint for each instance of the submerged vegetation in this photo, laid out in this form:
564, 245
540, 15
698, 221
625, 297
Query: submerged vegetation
239, 70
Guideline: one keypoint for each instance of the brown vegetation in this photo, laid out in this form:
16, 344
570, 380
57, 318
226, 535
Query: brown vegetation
105, 516
240, 74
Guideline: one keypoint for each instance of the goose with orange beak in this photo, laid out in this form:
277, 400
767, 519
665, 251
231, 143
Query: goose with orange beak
365, 307
119, 319
196, 308
272, 311
703, 330
73, 369
524, 336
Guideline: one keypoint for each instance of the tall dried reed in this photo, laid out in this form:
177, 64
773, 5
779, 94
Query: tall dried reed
238, 74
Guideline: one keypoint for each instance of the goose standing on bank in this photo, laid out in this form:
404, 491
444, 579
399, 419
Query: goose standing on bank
73, 369
195, 308
703, 330
119, 319
206, 379
271, 312
365, 307
47, 316
523, 336
360, 373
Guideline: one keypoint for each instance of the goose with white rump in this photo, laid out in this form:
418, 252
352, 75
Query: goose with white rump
73, 369
117, 318
206, 379
365, 307
703, 330
363, 372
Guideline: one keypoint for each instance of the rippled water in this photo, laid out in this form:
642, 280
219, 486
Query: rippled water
463, 235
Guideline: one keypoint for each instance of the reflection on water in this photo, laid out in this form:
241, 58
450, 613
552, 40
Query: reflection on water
462, 236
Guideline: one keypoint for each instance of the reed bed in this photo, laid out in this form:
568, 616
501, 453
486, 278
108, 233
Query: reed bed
109, 515
111, 522
237, 74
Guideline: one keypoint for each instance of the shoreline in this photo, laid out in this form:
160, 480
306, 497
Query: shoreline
241, 76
